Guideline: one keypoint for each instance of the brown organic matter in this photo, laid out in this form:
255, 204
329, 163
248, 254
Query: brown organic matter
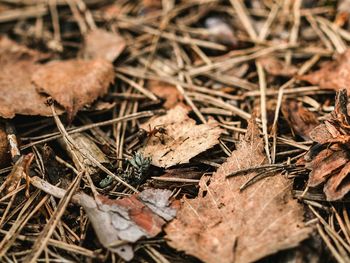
180, 133
74, 83
233, 226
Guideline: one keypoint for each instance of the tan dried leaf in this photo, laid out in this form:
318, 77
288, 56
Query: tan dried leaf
74, 83
334, 75
102, 44
300, 119
17, 93
277, 67
167, 92
233, 226
182, 140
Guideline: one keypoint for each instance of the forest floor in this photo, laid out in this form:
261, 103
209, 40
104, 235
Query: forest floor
174, 131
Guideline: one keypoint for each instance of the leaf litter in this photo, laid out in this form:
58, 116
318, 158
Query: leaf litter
239, 226
173, 85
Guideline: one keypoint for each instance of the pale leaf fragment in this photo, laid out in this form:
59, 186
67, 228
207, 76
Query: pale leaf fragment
74, 83
224, 223
102, 44
120, 222
182, 140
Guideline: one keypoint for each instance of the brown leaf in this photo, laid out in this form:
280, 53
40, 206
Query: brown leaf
277, 67
334, 75
233, 226
17, 94
122, 221
329, 158
325, 164
102, 44
167, 92
301, 120
182, 140
74, 83
337, 186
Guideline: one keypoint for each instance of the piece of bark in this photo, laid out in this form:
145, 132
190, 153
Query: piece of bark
333, 75
101, 44
233, 226
74, 83
182, 139
123, 220
301, 120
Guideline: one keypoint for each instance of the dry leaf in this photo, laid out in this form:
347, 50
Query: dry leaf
300, 119
102, 44
74, 83
182, 139
329, 160
17, 94
227, 225
277, 67
167, 92
334, 75
121, 221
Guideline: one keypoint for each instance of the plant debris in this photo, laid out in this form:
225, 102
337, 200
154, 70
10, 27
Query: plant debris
329, 159
101, 44
333, 74
120, 222
234, 225
180, 134
74, 83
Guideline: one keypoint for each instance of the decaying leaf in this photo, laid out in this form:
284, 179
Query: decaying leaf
181, 138
117, 223
167, 92
301, 120
277, 67
239, 226
74, 83
17, 94
102, 44
329, 159
334, 75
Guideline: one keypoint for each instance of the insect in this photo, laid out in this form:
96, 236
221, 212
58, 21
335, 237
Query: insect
158, 132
